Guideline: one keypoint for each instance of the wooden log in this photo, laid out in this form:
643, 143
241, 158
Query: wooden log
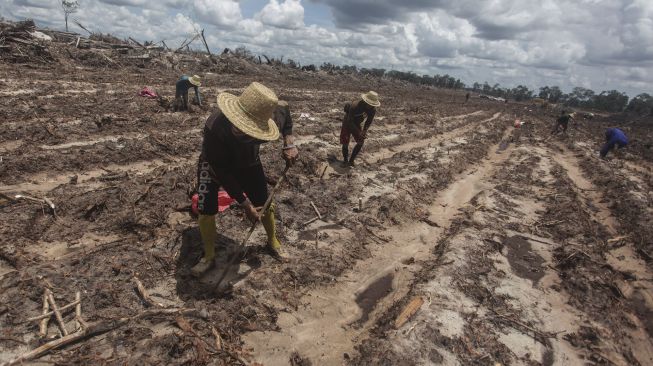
409, 311
205, 44
57, 314
43, 325
135, 41
81, 324
319, 216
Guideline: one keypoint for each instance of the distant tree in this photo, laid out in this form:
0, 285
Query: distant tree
69, 7
544, 92
292, 64
243, 52
611, 101
373, 72
476, 87
349, 68
641, 104
555, 94
580, 97
486, 88
521, 93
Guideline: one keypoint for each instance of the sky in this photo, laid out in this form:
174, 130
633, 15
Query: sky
596, 44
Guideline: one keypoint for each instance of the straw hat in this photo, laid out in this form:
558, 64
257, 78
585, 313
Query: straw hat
252, 111
195, 80
371, 98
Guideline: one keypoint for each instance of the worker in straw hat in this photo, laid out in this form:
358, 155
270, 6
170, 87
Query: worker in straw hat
184, 83
355, 113
563, 122
230, 158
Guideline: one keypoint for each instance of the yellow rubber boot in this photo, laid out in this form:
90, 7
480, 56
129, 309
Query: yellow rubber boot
209, 233
270, 229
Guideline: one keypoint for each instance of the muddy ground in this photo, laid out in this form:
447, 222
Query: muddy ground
524, 249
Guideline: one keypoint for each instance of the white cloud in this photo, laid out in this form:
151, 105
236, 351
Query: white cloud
220, 13
289, 14
602, 44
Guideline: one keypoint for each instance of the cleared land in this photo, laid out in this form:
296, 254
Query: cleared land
523, 249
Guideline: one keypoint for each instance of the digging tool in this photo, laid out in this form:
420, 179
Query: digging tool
237, 256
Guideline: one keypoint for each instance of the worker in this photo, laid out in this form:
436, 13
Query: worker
181, 91
563, 121
230, 158
284, 123
467, 97
614, 137
355, 113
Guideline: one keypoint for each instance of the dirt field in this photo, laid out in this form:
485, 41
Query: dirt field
524, 249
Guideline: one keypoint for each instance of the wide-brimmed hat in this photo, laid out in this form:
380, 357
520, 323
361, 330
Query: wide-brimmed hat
371, 98
252, 111
195, 80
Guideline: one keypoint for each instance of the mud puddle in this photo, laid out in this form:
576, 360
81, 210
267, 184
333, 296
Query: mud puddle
523, 260
370, 297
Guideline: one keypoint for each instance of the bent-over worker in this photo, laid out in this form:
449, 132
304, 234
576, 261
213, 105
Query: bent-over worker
355, 113
563, 121
181, 91
230, 158
614, 137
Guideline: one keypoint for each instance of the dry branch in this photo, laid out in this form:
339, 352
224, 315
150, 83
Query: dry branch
144, 295
81, 324
319, 215
311, 221
93, 330
43, 325
57, 313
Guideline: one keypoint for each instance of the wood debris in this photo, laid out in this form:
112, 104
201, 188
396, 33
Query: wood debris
409, 310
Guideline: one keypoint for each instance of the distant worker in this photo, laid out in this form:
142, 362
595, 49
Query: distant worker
467, 97
563, 121
181, 91
284, 122
613, 137
230, 158
355, 113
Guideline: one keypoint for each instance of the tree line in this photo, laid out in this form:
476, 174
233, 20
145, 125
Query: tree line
608, 100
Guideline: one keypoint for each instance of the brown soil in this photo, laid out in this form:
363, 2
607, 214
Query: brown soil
526, 249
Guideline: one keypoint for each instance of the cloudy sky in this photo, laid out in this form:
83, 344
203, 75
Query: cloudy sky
597, 44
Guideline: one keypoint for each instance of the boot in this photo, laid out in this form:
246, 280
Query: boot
274, 245
209, 233
345, 153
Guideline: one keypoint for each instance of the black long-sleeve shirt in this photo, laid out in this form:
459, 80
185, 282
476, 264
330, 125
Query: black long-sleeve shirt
227, 154
357, 112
